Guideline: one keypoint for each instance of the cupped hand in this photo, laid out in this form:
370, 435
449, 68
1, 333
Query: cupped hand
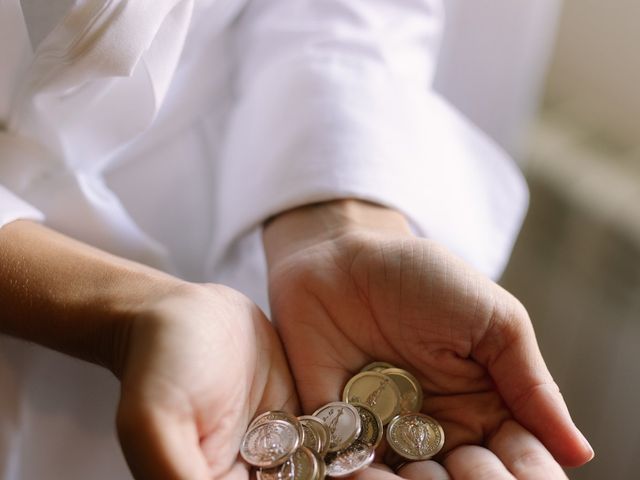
368, 295
197, 366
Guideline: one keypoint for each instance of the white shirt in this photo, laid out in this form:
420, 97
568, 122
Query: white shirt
167, 131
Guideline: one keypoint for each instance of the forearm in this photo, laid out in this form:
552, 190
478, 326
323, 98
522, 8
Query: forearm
298, 228
68, 296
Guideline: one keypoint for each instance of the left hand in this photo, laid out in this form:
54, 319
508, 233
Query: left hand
198, 363
350, 285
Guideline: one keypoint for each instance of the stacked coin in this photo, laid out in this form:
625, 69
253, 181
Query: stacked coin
396, 397
340, 438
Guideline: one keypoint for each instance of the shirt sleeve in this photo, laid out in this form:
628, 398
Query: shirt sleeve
13, 208
15, 172
12, 52
333, 99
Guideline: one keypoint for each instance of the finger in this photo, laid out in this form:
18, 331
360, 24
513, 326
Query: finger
523, 454
278, 391
475, 463
320, 383
381, 466
376, 471
160, 444
510, 351
428, 470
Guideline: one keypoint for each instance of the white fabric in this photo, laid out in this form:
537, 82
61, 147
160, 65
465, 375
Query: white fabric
166, 131
41, 17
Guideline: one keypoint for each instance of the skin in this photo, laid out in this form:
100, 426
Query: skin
349, 284
196, 372
196, 362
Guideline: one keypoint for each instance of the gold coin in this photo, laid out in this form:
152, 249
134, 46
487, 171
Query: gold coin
410, 389
372, 428
376, 367
353, 459
415, 436
305, 464
316, 434
375, 390
277, 415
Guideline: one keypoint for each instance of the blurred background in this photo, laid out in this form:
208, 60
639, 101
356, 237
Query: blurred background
557, 84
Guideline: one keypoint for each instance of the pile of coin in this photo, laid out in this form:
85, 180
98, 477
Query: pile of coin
340, 438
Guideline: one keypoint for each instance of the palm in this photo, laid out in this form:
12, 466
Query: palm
196, 375
340, 305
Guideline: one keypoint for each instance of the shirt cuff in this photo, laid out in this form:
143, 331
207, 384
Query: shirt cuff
332, 127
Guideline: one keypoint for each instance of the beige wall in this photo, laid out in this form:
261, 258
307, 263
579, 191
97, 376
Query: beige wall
576, 267
595, 72
577, 263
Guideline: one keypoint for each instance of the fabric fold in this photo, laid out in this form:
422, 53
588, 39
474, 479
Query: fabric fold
325, 110
94, 84
102, 59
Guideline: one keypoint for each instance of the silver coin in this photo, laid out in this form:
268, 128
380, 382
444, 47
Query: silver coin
415, 436
353, 459
322, 467
277, 415
343, 421
316, 434
306, 464
286, 471
269, 444
372, 430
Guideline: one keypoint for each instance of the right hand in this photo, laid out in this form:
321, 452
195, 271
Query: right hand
196, 367
349, 285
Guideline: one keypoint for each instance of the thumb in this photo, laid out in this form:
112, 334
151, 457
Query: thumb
510, 352
160, 444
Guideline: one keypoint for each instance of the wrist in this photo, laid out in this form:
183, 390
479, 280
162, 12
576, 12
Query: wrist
294, 230
96, 326
135, 297
69, 296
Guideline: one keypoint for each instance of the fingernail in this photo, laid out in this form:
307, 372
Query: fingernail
588, 446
